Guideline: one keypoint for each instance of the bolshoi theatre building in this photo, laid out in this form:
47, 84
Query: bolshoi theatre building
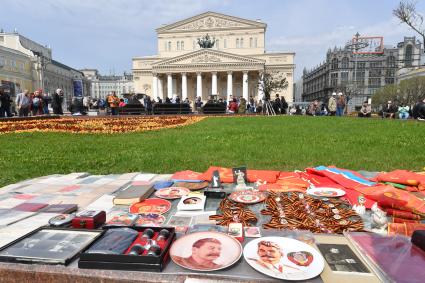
232, 66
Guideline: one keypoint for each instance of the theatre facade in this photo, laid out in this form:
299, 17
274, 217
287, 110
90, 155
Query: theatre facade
233, 66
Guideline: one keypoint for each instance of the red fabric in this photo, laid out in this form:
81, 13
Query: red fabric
226, 174
402, 220
337, 178
401, 214
402, 177
281, 188
388, 196
187, 175
262, 175
405, 229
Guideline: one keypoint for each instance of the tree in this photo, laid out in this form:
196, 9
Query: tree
271, 83
406, 13
407, 92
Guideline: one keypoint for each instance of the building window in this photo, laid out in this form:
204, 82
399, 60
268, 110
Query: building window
389, 81
375, 82
182, 45
255, 42
375, 72
237, 42
169, 45
178, 45
361, 65
391, 61
241, 43
225, 43
344, 77
334, 79
334, 64
408, 56
390, 73
345, 63
217, 44
251, 42
377, 64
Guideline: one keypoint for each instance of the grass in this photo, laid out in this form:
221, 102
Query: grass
282, 143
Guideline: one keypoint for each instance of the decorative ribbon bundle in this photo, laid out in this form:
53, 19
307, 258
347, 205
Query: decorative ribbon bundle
303, 212
234, 212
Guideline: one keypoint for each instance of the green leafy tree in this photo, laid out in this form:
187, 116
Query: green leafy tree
271, 83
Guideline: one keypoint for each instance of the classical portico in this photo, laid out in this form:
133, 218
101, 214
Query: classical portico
233, 66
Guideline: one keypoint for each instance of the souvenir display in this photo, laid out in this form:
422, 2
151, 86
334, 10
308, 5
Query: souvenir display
48, 245
151, 205
192, 202
122, 219
248, 196
252, 232
135, 248
150, 219
283, 258
172, 192
234, 212
379, 220
207, 227
61, 220
206, 251
89, 219
303, 212
342, 258
325, 192
192, 186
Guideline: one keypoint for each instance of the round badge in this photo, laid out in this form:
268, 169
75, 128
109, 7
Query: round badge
284, 258
192, 186
151, 205
150, 219
206, 251
337, 216
172, 192
335, 210
343, 222
247, 196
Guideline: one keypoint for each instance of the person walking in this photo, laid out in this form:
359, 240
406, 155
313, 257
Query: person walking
57, 99
332, 104
4, 104
340, 104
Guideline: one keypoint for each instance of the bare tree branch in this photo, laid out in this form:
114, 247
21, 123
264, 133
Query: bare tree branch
406, 13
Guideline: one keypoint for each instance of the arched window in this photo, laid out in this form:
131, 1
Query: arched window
241, 43
237, 42
169, 45
182, 45
334, 64
178, 45
408, 56
345, 63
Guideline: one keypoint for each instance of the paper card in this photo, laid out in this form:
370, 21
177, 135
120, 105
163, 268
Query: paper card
143, 177
104, 202
192, 202
235, 230
252, 232
239, 172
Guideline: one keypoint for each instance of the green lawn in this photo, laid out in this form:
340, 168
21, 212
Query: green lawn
282, 143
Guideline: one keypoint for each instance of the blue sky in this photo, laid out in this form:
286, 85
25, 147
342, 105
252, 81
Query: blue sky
106, 34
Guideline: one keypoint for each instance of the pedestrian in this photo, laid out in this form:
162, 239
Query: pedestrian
113, 102
57, 99
23, 103
46, 99
332, 104
4, 104
340, 104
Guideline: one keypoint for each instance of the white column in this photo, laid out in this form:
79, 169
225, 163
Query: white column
169, 86
184, 86
214, 83
154, 86
260, 86
160, 88
229, 85
199, 85
245, 85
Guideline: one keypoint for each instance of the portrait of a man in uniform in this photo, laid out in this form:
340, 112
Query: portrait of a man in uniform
204, 252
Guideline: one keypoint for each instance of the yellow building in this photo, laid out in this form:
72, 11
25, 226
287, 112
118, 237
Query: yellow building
15, 70
233, 66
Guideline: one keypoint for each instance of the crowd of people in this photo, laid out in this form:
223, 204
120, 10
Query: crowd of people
31, 104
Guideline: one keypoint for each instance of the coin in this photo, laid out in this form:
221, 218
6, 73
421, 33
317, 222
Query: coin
337, 216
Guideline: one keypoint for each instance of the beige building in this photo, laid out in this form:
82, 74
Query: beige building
233, 66
15, 70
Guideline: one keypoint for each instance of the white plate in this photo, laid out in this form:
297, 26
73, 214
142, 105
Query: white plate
325, 192
284, 258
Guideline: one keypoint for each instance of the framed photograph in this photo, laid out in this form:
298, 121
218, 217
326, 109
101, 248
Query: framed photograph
284, 258
340, 257
48, 246
206, 251
192, 202
252, 232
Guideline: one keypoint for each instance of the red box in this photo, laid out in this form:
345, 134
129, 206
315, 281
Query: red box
89, 219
